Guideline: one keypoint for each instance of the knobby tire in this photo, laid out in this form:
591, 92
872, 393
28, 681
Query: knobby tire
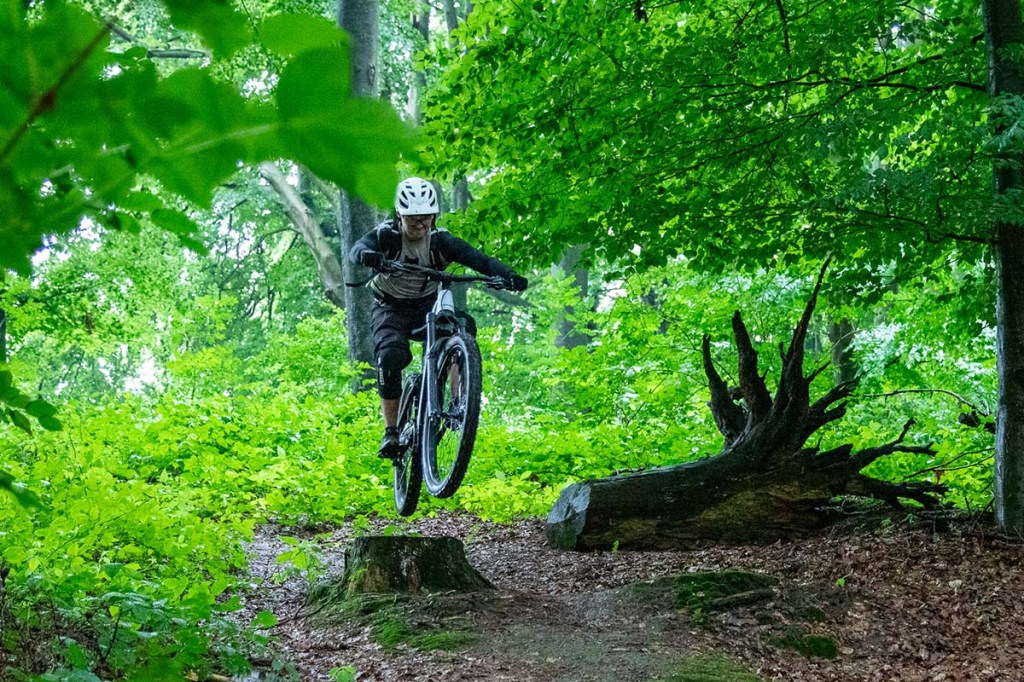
408, 469
450, 435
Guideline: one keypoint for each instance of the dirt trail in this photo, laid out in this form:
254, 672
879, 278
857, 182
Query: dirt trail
901, 603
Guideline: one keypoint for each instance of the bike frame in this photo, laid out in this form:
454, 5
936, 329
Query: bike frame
443, 309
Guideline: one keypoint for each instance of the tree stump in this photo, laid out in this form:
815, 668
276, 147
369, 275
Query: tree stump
765, 484
408, 565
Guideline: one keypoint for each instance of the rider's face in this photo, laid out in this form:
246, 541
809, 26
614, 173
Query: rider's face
416, 227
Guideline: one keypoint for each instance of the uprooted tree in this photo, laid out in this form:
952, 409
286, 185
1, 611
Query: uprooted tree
766, 483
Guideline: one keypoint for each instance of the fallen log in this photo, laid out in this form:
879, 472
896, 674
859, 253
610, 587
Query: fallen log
765, 485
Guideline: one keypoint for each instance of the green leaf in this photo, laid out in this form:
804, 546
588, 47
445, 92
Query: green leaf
290, 34
141, 202
230, 606
181, 226
112, 570
20, 234
221, 27
10, 15
264, 620
314, 82
6, 381
207, 148
12, 112
174, 222
51, 424
25, 497
40, 408
15, 398
123, 221
353, 142
19, 419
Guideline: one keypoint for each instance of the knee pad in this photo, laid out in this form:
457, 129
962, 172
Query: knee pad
390, 363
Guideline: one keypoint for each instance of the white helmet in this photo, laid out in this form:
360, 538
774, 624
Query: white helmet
416, 196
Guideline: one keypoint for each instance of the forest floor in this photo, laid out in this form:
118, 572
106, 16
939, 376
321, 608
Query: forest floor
901, 601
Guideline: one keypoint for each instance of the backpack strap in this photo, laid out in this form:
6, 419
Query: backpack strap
437, 259
389, 240
389, 237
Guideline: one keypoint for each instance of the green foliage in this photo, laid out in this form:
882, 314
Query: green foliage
81, 126
17, 409
154, 502
25, 497
130, 539
303, 559
261, 426
345, 674
854, 129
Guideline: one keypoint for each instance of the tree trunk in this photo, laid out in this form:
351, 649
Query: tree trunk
459, 203
569, 335
1004, 32
408, 565
359, 19
844, 369
328, 265
460, 193
451, 15
421, 23
765, 485
356, 218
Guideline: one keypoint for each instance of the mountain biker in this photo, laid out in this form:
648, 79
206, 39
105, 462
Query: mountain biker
402, 300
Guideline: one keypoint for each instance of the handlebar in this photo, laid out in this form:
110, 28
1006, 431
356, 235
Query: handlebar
494, 282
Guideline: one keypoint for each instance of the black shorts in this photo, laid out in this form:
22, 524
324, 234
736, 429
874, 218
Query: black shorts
393, 324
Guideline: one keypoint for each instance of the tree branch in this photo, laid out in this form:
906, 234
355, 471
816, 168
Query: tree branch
759, 401
176, 53
729, 417
962, 400
785, 25
327, 263
796, 345
920, 491
868, 455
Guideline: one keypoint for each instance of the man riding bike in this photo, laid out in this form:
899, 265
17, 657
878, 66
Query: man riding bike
402, 300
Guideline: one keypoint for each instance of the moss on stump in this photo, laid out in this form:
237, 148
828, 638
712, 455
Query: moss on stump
408, 565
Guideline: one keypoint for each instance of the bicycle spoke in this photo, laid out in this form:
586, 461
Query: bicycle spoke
407, 471
453, 426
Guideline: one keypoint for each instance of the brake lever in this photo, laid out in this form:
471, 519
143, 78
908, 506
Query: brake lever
389, 266
498, 283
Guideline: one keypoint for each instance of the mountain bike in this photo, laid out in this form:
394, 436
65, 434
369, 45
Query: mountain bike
439, 410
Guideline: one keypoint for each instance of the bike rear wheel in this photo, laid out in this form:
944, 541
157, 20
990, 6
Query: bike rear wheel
408, 469
450, 432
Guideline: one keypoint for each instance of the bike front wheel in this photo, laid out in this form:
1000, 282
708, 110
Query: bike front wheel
451, 429
408, 470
